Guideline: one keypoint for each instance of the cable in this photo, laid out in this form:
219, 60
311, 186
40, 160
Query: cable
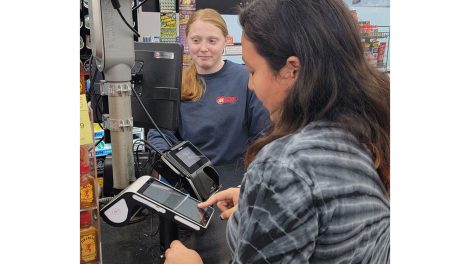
99, 141
98, 102
97, 111
94, 96
150, 117
157, 154
129, 26
136, 160
139, 5
150, 159
116, 6
146, 143
88, 61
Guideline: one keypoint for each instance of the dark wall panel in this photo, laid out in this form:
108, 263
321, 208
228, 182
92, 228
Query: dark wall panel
228, 7
154, 6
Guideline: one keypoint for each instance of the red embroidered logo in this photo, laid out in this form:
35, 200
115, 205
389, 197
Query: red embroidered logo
226, 99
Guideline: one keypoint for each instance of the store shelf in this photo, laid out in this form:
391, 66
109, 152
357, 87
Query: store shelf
375, 36
90, 236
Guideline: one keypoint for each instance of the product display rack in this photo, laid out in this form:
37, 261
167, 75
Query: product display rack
90, 238
376, 42
382, 35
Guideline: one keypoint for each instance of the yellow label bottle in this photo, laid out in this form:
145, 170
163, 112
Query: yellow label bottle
88, 239
87, 188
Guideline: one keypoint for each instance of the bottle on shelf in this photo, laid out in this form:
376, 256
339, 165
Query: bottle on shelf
87, 182
381, 52
88, 240
90, 246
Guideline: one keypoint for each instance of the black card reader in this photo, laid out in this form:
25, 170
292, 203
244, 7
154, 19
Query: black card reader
185, 164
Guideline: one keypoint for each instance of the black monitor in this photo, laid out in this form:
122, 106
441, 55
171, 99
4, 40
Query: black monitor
157, 79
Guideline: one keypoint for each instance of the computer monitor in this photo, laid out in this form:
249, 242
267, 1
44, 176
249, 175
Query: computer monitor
157, 79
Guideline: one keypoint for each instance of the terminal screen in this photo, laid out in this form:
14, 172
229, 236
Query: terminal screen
181, 203
187, 156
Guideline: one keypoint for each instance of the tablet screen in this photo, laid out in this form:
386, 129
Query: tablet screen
177, 201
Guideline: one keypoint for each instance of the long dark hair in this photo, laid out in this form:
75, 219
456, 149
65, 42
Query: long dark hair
334, 83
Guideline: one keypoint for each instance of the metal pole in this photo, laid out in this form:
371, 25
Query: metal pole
113, 49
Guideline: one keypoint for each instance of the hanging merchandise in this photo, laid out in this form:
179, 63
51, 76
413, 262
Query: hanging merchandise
372, 41
381, 52
82, 44
88, 41
168, 27
186, 9
85, 50
168, 33
87, 21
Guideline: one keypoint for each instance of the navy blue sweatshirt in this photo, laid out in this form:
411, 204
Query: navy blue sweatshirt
223, 121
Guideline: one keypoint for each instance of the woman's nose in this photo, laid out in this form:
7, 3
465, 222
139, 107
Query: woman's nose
204, 47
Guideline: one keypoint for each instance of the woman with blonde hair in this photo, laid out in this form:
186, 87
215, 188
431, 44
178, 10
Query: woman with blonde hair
218, 114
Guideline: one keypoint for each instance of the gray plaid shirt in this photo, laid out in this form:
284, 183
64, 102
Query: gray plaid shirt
311, 197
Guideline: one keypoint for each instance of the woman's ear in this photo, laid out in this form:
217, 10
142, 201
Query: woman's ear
290, 71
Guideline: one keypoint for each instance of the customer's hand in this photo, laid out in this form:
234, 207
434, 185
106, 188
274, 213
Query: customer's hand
226, 200
178, 253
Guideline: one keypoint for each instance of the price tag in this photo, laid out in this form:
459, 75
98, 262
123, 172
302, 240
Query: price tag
86, 136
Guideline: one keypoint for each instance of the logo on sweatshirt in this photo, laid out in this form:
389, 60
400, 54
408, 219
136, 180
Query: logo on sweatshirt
226, 99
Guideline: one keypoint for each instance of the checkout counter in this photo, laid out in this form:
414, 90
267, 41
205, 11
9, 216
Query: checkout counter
139, 242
